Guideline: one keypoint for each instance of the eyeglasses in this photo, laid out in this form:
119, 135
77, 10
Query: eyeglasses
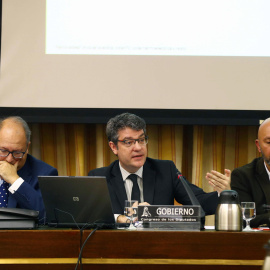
15, 154
129, 142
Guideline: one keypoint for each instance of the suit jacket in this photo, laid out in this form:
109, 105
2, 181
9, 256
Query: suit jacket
28, 195
252, 183
160, 186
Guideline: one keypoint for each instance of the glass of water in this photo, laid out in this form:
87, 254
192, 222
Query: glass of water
131, 212
248, 212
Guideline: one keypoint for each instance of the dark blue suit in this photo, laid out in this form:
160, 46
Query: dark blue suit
160, 186
28, 195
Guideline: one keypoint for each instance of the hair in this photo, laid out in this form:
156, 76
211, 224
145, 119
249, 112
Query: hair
20, 121
122, 121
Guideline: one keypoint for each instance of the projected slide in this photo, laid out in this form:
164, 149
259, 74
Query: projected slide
162, 54
158, 27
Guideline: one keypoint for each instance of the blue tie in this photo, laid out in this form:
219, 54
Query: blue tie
4, 194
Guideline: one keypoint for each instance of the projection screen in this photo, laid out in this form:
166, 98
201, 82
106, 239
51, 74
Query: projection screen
209, 55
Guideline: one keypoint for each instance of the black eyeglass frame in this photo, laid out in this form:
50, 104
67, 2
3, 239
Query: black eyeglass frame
12, 152
134, 141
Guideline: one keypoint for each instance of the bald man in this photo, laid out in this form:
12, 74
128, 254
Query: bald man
252, 181
19, 171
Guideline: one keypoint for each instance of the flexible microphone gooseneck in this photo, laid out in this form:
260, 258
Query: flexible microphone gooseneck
191, 195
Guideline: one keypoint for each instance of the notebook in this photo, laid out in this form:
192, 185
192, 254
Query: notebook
76, 201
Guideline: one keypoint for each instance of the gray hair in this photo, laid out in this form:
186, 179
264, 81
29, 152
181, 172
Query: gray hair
20, 121
122, 121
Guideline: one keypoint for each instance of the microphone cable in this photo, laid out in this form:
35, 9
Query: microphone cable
85, 226
62, 211
79, 261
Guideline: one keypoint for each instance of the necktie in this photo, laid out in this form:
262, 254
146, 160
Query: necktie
4, 194
135, 195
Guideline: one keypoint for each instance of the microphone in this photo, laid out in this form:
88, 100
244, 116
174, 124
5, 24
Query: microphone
191, 195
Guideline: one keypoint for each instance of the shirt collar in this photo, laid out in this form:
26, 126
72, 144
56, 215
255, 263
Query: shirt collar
125, 173
267, 170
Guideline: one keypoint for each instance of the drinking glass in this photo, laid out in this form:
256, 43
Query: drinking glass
131, 212
249, 212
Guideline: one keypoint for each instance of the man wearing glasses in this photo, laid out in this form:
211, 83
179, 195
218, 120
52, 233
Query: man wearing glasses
156, 181
19, 171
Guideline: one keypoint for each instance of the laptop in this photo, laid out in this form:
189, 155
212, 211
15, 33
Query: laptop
76, 201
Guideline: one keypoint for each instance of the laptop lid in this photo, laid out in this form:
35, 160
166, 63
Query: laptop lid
76, 201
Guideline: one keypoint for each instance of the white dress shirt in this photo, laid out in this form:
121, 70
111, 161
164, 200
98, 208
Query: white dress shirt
267, 170
129, 184
14, 187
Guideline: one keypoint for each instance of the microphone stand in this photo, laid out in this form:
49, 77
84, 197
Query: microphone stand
192, 197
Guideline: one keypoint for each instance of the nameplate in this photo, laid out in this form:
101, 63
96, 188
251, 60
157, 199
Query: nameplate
177, 217
169, 213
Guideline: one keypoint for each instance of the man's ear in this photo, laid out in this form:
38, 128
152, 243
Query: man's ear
258, 145
113, 147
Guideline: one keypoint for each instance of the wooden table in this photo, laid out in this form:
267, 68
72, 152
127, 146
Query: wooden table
122, 249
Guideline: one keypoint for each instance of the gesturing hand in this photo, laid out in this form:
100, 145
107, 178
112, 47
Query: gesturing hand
219, 181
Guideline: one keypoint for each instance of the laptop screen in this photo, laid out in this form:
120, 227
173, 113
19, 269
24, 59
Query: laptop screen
76, 201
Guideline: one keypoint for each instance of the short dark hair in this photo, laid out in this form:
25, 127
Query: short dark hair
122, 121
18, 120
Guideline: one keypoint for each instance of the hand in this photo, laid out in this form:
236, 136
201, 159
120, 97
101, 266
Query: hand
219, 181
144, 203
8, 171
124, 219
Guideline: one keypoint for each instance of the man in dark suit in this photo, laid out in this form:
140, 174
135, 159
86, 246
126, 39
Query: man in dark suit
19, 171
252, 181
156, 180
